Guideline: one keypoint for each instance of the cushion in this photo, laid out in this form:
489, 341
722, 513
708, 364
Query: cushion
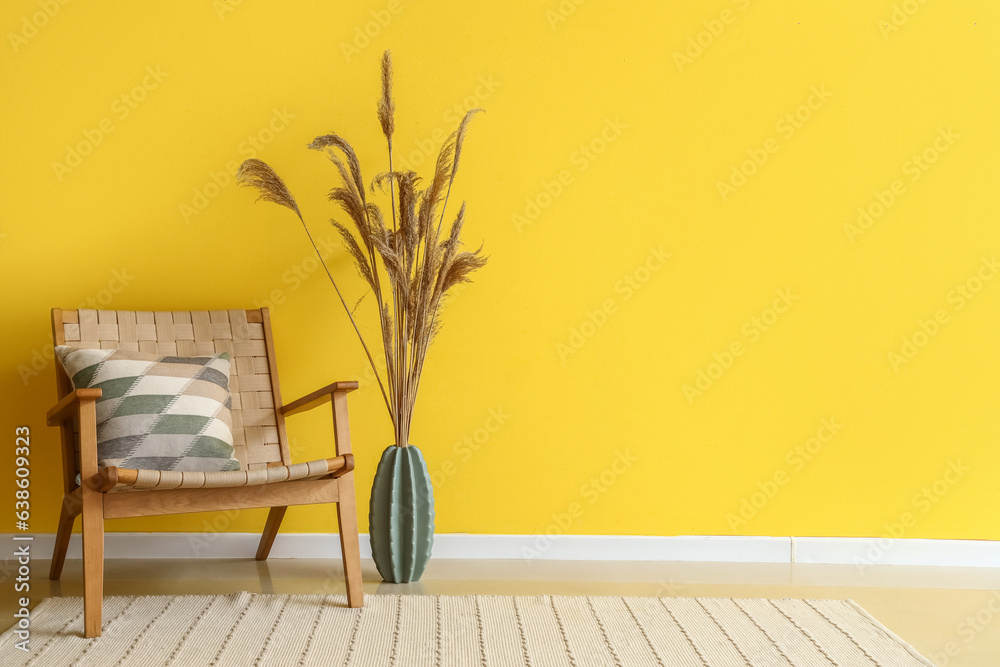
157, 412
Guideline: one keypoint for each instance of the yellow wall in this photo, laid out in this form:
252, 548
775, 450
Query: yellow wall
611, 137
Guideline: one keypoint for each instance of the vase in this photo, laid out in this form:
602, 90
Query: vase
401, 515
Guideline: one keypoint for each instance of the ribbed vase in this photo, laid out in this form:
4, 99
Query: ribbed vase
401, 515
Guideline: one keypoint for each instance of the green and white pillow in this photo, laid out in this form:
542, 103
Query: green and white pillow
157, 412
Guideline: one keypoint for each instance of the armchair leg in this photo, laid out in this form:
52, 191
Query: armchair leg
347, 519
274, 518
93, 561
66, 519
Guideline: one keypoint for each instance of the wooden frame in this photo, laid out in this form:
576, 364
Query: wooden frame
75, 415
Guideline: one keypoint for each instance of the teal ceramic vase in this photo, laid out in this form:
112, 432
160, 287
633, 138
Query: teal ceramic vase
401, 515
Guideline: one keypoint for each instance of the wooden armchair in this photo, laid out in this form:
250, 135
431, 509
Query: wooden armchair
267, 477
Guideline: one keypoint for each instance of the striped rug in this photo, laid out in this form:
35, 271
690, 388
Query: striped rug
411, 631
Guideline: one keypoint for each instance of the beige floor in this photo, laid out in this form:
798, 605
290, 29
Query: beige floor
934, 609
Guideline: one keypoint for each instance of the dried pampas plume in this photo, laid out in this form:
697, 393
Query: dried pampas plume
386, 105
460, 137
256, 173
453, 148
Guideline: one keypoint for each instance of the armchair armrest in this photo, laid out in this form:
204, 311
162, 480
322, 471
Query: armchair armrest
67, 408
316, 398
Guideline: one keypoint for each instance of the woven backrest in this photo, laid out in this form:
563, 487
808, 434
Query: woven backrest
258, 429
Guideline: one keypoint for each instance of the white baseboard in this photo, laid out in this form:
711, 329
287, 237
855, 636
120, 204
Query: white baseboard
856, 551
888, 551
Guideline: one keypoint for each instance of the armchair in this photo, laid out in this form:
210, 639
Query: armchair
267, 477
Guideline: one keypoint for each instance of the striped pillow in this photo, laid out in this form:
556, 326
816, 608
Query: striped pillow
157, 412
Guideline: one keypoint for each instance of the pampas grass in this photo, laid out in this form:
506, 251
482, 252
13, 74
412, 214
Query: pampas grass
408, 268
257, 174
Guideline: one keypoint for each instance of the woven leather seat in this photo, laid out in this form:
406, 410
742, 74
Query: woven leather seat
115, 480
